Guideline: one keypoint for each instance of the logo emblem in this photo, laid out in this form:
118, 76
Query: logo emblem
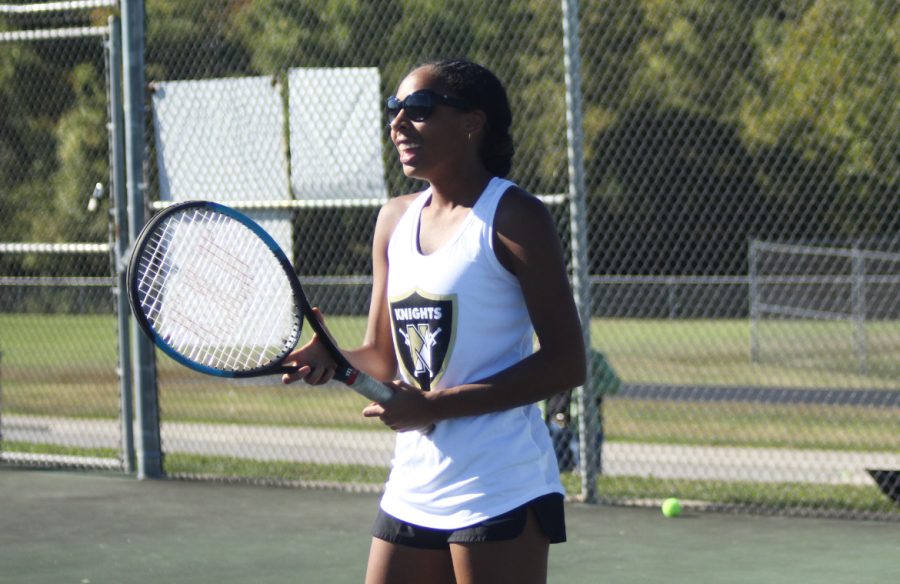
424, 328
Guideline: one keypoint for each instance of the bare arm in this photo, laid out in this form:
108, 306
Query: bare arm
527, 244
376, 354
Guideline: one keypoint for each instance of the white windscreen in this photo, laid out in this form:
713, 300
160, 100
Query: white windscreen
336, 130
224, 140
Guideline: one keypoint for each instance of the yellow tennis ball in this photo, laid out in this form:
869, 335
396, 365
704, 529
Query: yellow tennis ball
671, 507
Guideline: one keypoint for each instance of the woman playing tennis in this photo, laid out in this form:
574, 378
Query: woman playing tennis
466, 273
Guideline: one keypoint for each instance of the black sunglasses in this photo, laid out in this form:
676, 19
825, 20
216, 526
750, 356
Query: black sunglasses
421, 104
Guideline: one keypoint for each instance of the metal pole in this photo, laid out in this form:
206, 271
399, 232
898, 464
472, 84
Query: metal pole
1, 404
119, 237
753, 292
149, 453
588, 408
858, 295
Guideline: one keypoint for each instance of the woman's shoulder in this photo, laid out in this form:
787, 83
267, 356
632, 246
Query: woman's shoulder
391, 213
394, 209
519, 210
401, 203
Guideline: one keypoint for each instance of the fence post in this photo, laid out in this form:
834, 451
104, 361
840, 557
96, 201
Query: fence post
149, 455
1, 404
587, 402
858, 295
119, 239
753, 292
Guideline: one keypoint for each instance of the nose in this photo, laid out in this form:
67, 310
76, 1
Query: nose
399, 120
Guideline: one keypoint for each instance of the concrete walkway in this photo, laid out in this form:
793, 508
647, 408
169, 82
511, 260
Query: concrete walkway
374, 448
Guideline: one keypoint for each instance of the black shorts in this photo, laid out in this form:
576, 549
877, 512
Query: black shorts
548, 509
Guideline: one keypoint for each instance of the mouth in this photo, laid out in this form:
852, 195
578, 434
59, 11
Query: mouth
407, 149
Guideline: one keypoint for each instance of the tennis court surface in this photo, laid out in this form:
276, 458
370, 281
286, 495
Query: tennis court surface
90, 528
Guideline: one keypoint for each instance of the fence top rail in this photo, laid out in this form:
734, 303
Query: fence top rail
811, 279
54, 33
71, 5
669, 280
79, 248
286, 205
44, 281
847, 252
809, 313
291, 204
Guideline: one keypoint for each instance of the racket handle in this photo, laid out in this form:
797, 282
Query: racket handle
359, 381
371, 388
367, 386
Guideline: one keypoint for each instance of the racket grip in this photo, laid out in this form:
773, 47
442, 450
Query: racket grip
371, 388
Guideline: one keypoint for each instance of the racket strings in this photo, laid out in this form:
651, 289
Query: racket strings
216, 293
218, 278
153, 271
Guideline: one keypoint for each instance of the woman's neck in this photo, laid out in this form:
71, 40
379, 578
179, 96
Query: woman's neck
459, 189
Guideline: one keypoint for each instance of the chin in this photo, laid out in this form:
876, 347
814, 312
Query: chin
414, 172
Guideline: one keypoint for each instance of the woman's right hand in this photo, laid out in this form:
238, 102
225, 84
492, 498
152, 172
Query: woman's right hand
315, 365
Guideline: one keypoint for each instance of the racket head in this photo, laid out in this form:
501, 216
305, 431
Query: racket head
215, 292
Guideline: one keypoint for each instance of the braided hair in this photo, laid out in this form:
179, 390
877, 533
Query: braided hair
480, 88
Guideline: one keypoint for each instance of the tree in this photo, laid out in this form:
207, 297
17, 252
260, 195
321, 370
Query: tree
33, 93
194, 39
830, 104
82, 155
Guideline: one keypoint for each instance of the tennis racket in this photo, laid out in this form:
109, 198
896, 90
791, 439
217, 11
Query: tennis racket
217, 294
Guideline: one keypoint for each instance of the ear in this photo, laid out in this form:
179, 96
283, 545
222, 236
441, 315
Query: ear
476, 121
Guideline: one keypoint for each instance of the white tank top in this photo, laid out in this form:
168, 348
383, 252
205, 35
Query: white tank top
458, 316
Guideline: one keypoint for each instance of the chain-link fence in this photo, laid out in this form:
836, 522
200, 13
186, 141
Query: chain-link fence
707, 125
61, 392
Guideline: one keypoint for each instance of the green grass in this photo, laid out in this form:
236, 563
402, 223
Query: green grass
58, 449
60, 365
756, 425
698, 352
620, 490
236, 468
57, 342
293, 405
717, 352
768, 496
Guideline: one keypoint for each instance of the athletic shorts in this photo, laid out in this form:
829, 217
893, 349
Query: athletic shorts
548, 509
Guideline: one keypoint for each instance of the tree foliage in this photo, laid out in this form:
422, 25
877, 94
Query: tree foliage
707, 122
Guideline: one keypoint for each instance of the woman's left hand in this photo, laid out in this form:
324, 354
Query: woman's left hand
409, 409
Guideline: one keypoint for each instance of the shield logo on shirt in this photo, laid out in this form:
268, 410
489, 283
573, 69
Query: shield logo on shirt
424, 329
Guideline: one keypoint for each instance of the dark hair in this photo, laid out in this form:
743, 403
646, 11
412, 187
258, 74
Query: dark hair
480, 88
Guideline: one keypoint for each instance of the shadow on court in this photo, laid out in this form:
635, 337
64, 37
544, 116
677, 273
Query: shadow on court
90, 528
